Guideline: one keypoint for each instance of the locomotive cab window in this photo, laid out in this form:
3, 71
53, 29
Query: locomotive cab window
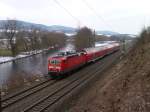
55, 62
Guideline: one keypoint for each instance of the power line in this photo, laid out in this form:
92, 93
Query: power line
99, 16
75, 18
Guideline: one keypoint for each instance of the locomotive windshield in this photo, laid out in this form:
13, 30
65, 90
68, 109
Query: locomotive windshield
61, 54
65, 53
55, 62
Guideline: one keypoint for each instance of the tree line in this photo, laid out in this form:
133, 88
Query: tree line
84, 38
22, 40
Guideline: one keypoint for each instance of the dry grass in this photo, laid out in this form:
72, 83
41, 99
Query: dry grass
125, 88
5, 52
19, 81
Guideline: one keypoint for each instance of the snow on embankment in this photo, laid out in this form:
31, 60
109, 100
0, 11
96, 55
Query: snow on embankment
22, 55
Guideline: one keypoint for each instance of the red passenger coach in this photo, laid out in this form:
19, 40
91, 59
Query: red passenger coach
95, 53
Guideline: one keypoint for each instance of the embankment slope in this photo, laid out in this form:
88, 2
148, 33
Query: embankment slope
123, 88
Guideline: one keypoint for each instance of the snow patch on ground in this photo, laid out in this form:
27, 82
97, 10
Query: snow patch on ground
3, 59
21, 55
103, 43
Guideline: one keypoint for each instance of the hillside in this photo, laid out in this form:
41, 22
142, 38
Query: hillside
107, 33
28, 25
59, 28
123, 88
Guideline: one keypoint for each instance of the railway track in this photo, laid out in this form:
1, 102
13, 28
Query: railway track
25, 93
51, 94
51, 99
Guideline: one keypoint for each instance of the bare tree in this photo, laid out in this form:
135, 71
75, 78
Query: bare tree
22, 41
53, 39
46, 40
35, 38
10, 31
84, 38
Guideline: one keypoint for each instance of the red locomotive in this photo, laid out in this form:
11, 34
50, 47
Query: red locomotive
66, 62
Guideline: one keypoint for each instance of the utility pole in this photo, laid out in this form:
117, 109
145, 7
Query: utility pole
124, 46
94, 36
89, 43
0, 102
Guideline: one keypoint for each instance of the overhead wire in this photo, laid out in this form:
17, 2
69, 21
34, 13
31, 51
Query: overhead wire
97, 14
90, 7
65, 9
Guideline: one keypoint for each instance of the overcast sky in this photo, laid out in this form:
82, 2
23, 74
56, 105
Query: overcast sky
123, 16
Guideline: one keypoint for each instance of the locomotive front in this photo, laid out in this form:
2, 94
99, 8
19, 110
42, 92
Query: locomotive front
54, 67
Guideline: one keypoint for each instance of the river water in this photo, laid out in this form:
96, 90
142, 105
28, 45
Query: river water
25, 69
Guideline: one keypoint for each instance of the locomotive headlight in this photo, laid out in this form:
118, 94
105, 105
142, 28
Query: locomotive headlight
50, 67
58, 68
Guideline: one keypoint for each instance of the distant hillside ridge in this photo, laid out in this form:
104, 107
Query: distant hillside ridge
58, 28
28, 25
107, 33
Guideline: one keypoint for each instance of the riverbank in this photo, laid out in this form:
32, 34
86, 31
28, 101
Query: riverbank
25, 72
5, 52
5, 59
